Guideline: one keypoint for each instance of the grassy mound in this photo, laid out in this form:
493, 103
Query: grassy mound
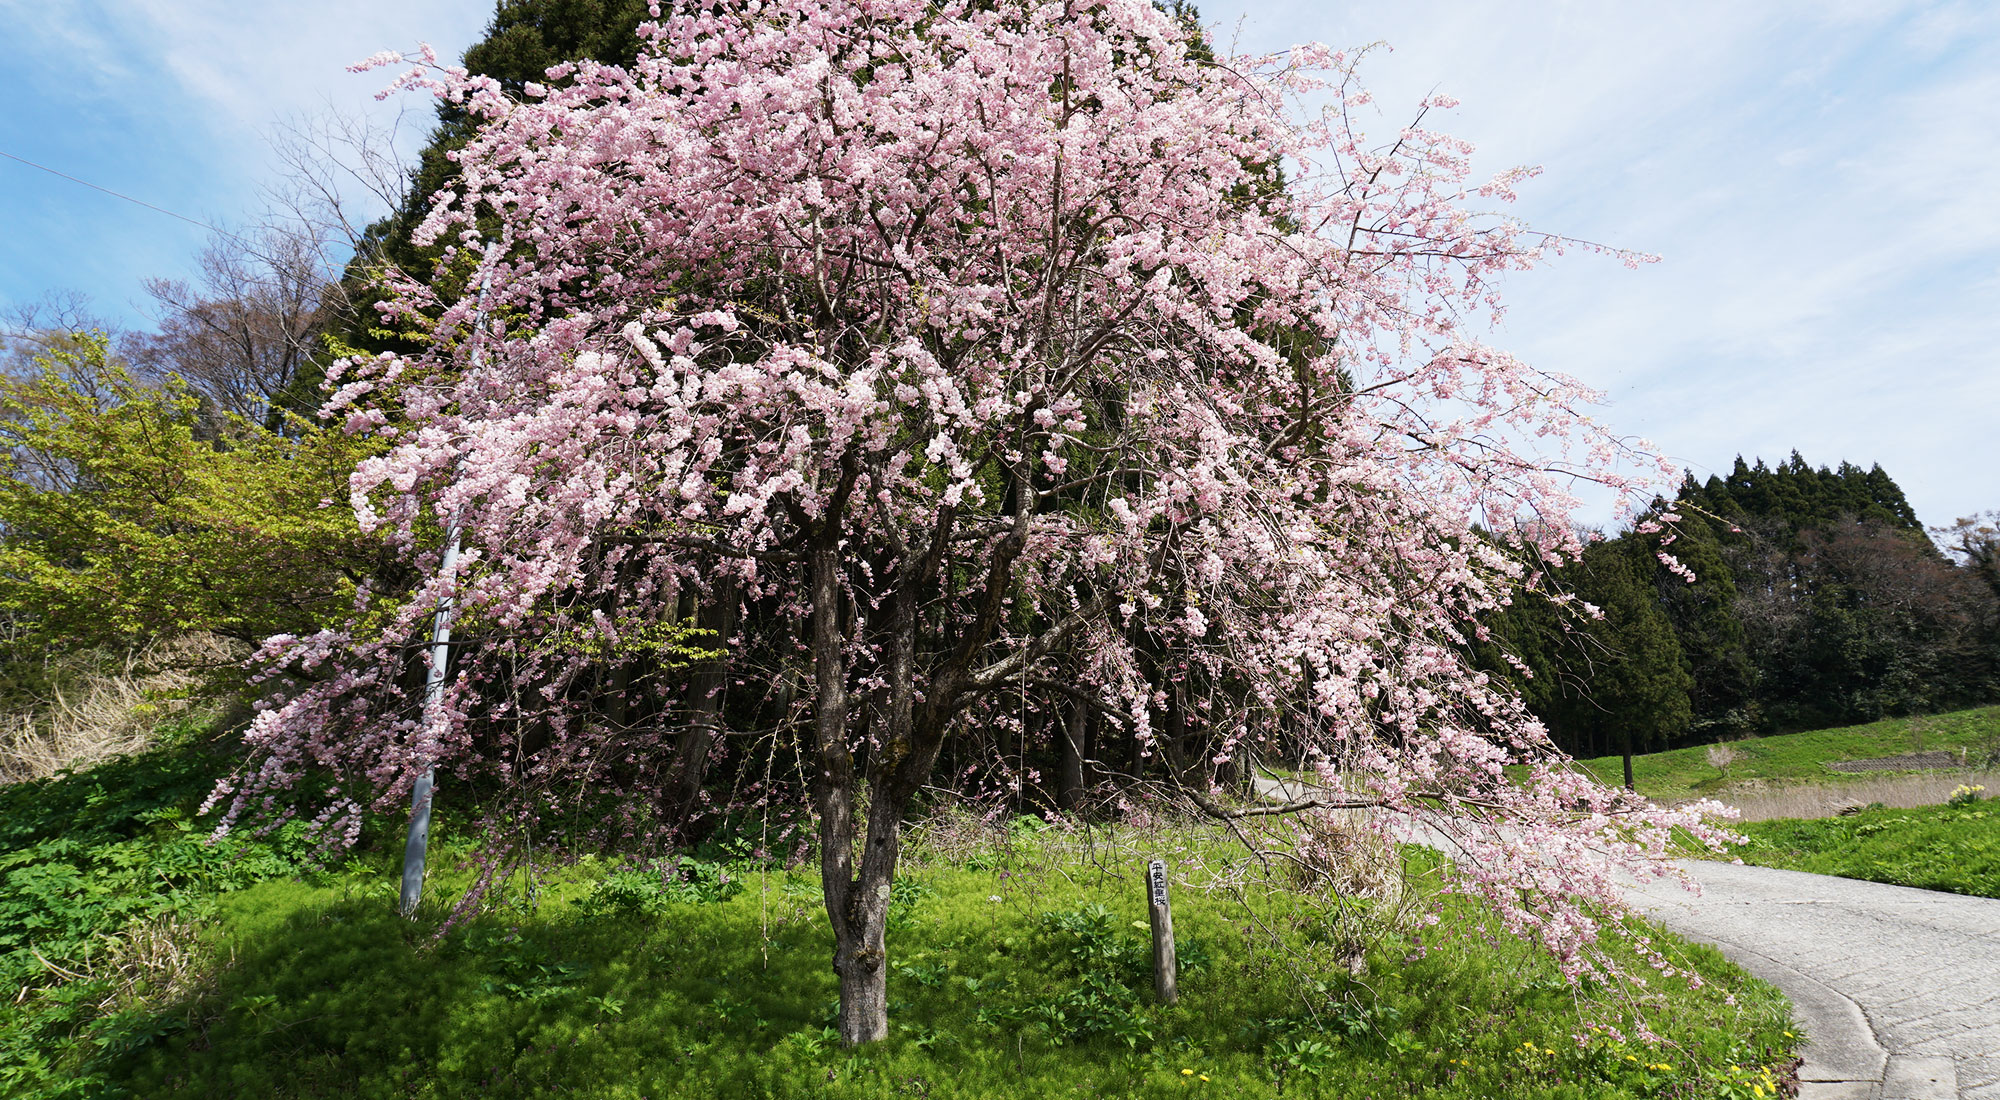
1799, 757
1024, 978
150, 964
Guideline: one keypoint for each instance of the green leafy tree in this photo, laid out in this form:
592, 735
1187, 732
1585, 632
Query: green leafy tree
125, 516
1876, 623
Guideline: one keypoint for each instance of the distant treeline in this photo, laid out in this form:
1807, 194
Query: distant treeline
1817, 599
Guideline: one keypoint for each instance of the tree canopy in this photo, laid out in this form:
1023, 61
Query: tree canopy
124, 516
963, 360
1797, 596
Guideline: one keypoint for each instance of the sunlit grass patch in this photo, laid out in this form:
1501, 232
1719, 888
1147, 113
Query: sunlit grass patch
1022, 972
1798, 757
1018, 968
1948, 847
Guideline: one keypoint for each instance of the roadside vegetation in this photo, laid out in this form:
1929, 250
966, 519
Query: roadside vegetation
1801, 758
150, 962
1953, 847
1933, 829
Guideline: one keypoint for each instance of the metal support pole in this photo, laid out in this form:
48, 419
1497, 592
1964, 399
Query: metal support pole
417, 846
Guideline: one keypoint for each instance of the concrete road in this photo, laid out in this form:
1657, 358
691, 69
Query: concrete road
1899, 989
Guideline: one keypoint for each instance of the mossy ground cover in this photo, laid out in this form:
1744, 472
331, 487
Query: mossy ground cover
1953, 847
1798, 757
1019, 969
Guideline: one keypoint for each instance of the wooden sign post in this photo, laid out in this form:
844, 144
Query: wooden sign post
1165, 989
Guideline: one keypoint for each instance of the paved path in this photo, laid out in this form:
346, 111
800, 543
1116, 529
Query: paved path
1899, 989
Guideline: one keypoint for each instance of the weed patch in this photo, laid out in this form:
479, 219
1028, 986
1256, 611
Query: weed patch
154, 964
729, 994
1953, 847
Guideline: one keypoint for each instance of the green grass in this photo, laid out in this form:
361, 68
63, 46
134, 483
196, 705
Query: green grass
1686, 773
612, 982
1953, 848
1040, 994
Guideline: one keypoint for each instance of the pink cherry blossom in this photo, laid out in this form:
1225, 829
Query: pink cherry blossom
970, 358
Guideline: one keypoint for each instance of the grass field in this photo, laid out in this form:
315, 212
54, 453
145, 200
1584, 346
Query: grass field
153, 965
1798, 757
1906, 835
1954, 848
1041, 993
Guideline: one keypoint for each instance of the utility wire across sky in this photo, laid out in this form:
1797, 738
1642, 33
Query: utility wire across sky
116, 194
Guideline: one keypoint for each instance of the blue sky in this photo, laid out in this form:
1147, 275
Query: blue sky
174, 102
1822, 179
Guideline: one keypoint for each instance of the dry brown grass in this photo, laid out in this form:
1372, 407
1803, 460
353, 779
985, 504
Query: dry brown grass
157, 961
1762, 801
1338, 853
104, 707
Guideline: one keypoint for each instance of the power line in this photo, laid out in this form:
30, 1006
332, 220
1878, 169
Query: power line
116, 194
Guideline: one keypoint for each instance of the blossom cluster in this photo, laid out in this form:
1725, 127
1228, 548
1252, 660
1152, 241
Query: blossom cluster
1044, 295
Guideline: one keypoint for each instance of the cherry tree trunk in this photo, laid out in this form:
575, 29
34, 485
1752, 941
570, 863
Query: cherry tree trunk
859, 914
858, 910
1074, 733
857, 897
717, 615
858, 893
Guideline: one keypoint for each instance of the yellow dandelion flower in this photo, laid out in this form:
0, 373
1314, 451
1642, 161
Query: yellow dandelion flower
1187, 1073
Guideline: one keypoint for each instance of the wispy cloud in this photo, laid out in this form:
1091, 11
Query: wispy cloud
174, 102
1819, 178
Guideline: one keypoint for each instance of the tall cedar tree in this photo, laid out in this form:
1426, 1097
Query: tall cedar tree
1815, 599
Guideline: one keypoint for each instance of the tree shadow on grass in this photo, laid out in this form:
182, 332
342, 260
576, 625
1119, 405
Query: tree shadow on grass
337, 997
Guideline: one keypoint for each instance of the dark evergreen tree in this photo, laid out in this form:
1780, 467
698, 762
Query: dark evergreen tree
1545, 661
1703, 614
1846, 608
1610, 683
1817, 599
1641, 688
523, 41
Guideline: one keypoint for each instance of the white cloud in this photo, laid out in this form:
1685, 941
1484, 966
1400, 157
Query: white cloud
174, 102
1819, 178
